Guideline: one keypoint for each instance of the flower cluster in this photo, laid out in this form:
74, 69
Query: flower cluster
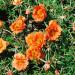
34, 40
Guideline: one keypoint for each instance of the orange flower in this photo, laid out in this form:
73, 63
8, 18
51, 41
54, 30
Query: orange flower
1, 23
20, 62
34, 53
3, 45
36, 39
19, 25
39, 13
17, 2
53, 31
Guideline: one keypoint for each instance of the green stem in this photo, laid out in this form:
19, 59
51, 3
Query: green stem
42, 60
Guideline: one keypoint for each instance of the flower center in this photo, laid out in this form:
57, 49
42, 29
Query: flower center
52, 32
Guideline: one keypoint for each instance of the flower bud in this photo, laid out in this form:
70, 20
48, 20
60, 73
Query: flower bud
27, 12
57, 72
47, 66
9, 72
